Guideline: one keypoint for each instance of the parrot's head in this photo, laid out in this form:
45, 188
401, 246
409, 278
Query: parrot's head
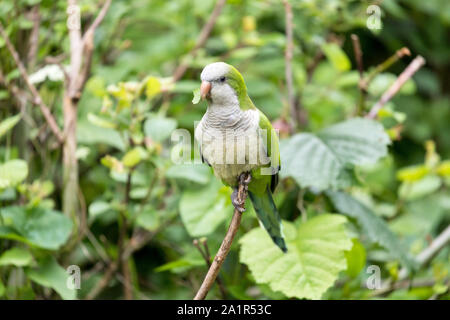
222, 83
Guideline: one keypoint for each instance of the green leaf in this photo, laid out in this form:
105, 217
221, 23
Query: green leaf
152, 87
196, 96
417, 189
148, 219
383, 81
18, 257
159, 129
12, 173
314, 259
92, 135
196, 173
356, 258
8, 124
50, 274
318, 160
44, 228
203, 210
373, 226
336, 56
134, 156
412, 173
100, 122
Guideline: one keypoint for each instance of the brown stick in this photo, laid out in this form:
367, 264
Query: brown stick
386, 64
37, 100
423, 258
34, 37
101, 15
123, 263
295, 114
207, 257
226, 243
201, 40
359, 61
412, 68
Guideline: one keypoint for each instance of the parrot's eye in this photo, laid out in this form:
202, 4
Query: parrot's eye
222, 79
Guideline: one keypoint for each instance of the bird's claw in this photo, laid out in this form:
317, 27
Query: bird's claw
237, 203
244, 180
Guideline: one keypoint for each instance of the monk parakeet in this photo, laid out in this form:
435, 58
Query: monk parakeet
235, 137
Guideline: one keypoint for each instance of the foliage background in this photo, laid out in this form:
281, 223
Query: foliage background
390, 195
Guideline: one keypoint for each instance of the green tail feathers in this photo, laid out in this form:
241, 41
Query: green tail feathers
268, 215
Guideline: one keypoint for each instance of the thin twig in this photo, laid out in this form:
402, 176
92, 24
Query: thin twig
37, 100
358, 54
415, 65
123, 263
226, 243
207, 257
424, 257
34, 37
404, 284
359, 61
386, 64
101, 15
295, 114
201, 40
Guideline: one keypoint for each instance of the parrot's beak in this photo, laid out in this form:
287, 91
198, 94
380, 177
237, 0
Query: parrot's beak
205, 87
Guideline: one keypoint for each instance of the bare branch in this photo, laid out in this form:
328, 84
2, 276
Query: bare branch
440, 242
34, 37
412, 68
226, 243
295, 114
358, 54
37, 100
207, 257
359, 61
386, 64
201, 40
101, 15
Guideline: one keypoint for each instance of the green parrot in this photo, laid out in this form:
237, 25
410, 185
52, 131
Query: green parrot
235, 137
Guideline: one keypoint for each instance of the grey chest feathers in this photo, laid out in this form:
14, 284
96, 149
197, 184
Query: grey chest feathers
231, 142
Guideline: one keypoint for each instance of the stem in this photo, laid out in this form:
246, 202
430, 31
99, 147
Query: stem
123, 263
440, 242
362, 87
201, 40
207, 257
386, 64
226, 243
37, 100
412, 68
295, 114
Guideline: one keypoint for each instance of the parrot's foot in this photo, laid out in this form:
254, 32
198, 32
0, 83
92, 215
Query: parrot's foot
244, 179
237, 203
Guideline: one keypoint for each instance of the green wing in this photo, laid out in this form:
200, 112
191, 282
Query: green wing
272, 148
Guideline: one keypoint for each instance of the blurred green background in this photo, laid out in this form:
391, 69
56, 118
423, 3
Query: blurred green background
137, 213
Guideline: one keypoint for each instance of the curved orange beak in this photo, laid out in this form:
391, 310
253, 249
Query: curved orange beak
205, 87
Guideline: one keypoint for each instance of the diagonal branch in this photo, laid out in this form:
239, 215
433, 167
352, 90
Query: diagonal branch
101, 15
423, 258
201, 40
295, 114
226, 243
359, 60
37, 100
412, 68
